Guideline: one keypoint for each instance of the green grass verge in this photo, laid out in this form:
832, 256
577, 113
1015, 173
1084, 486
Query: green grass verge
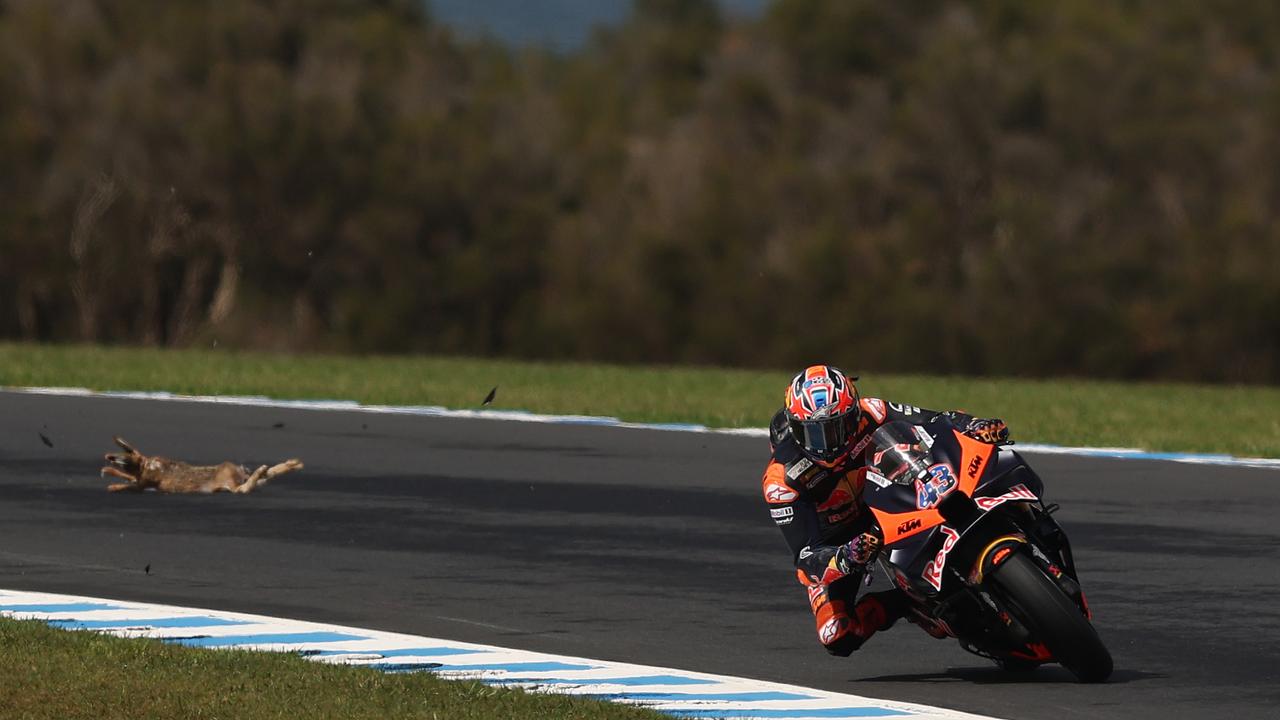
53, 674
1173, 417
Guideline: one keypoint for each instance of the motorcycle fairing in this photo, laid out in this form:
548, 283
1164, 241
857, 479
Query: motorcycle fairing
918, 541
944, 556
1008, 470
896, 506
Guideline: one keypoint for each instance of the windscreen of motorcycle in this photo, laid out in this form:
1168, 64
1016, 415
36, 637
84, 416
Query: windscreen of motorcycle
900, 452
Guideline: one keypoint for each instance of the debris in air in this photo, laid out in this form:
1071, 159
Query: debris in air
278, 425
489, 398
45, 439
147, 569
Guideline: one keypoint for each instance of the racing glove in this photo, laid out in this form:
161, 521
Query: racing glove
859, 552
988, 430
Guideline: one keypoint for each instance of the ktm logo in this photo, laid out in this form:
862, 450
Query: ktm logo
974, 466
909, 525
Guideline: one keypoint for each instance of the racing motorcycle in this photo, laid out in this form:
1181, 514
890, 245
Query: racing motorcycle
976, 550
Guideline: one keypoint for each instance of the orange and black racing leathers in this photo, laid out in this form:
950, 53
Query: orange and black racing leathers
819, 509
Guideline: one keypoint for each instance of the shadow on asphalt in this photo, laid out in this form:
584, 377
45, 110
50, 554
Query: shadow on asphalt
996, 676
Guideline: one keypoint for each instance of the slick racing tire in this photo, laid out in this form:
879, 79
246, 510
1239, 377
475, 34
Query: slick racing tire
1052, 618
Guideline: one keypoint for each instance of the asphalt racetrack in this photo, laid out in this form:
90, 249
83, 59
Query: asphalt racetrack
634, 545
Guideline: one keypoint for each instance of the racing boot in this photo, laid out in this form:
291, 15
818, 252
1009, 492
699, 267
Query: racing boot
840, 631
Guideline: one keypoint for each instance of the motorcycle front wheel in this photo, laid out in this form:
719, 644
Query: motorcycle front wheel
1052, 618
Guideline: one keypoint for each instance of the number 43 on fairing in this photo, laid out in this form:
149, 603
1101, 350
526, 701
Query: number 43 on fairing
940, 482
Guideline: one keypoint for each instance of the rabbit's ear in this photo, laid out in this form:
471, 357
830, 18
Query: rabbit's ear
127, 447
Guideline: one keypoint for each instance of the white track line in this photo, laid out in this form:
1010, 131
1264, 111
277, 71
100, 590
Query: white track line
522, 416
676, 692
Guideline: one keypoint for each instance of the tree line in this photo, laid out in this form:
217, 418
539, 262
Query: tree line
967, 186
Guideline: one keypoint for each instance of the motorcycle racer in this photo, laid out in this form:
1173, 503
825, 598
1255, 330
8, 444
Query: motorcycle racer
813, 487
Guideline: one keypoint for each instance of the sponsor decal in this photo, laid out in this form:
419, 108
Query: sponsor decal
831, 573
975, 465
782, 515
878, 479
815, 592
816, 479
1017, 492
799, 467
926, 440
909, 525
875, 407
778, 494
905, 409
830, 631
861, 445
838, 498
933, 569
806, 552
940, 482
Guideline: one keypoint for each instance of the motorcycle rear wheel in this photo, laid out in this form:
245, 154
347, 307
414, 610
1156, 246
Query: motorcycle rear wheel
1017, 665
1053, 618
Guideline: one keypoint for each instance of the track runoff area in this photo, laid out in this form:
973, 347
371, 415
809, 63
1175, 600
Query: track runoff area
427, 539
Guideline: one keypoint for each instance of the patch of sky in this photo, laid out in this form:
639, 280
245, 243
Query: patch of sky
561, 24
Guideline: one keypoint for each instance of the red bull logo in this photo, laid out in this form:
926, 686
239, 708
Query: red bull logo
838, 498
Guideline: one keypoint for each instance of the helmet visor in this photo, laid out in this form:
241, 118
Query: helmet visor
825, 438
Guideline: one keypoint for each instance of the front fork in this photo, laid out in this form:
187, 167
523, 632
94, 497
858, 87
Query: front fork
1055, 558
1030, 530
